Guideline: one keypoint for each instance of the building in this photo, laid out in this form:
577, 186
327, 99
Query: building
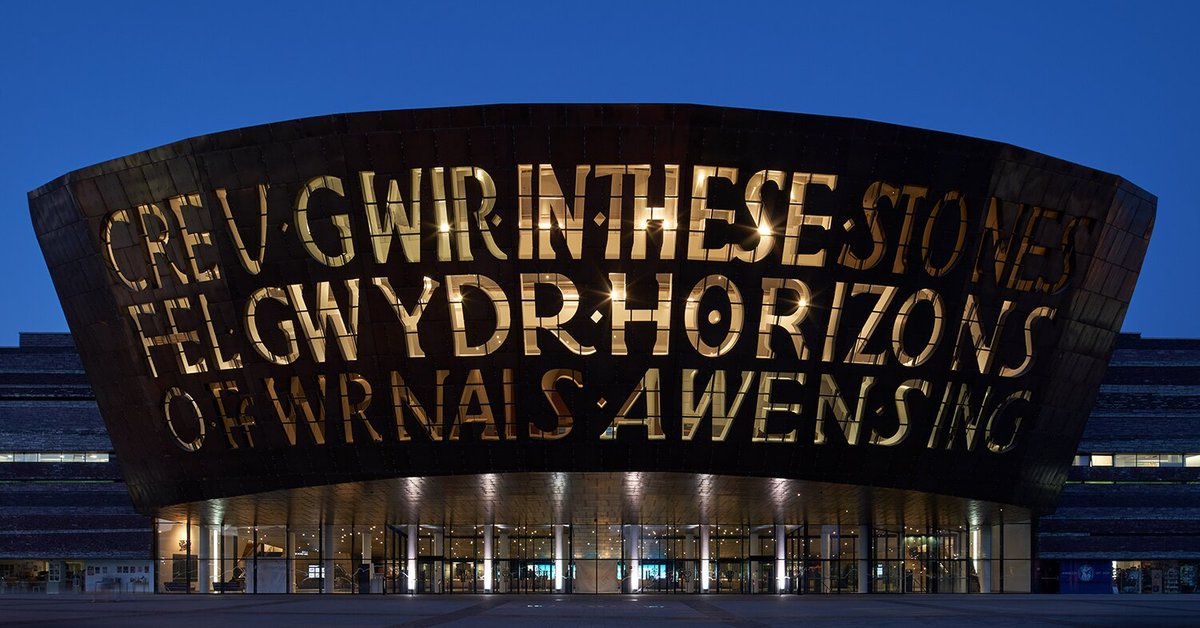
1125, 514
66, 520
1129, 516
593, 348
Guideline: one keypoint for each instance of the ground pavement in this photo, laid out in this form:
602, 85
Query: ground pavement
526, 611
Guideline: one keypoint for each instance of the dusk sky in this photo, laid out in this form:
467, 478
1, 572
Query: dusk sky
1109, 85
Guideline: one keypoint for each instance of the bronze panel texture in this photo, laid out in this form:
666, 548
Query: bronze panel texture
593, 289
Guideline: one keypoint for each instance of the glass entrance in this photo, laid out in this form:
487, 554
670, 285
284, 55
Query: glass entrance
73, 578
762, 575
430, 576
464, 545
526, 559
395, 573
654, 576
801, 576
532, 576
466, 576
669, 576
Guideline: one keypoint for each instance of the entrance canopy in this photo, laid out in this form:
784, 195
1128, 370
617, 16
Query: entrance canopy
636, 497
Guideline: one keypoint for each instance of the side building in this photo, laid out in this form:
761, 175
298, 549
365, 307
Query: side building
1128, 519
67, 523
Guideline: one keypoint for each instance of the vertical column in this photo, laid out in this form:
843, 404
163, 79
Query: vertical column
489, 536
930, 560
964, 542
704, 558
983, 560
803, 548
203, 560
326, 559
215, 550
689, 552
369, 571
439, 549
780, 558
505, 569
829, 545
412, 557
753, 549
633, 537
231, 566
289, 565
189, 552
559, 546
1001, 565
863, 556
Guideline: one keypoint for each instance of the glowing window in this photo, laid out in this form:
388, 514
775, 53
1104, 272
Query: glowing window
1125, 460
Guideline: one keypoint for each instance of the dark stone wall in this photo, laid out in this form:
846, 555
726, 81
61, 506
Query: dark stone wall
59, 510
1149, 403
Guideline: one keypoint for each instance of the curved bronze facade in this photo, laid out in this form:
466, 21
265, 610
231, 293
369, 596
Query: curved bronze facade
593, 288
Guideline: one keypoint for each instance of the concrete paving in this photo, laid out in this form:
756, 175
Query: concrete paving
525, 611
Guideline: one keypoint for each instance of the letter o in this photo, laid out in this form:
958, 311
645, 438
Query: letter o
960, 236
935, 335
691, 316
173, 393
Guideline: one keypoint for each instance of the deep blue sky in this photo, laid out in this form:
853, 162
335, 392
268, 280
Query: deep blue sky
1113, 86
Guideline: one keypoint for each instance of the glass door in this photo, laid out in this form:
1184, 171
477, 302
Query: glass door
685, 576
73, 578
464, 545
762, 575
532, 576
730, 576
395, 578
430, 578
654, 576
466, 576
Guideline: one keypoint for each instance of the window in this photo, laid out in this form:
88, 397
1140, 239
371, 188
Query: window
1159, 460
53, 456
1149, 461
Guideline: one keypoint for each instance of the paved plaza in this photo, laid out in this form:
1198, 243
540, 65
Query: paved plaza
266, 611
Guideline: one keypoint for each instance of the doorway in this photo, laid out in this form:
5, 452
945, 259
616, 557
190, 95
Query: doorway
762, 575
431, 576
